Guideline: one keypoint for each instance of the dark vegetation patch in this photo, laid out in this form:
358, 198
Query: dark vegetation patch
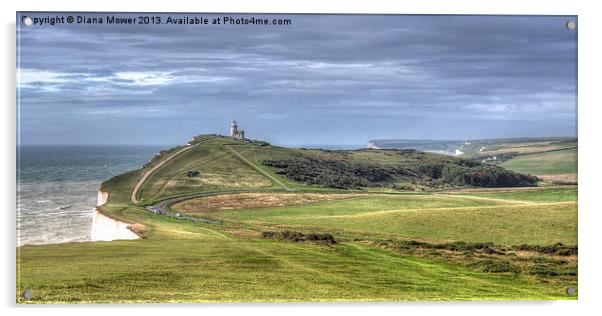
469, 173
299, 236
192, 173
405, 170
260, 143
460, 246
541, 261
495, 266
558, 249
334, 173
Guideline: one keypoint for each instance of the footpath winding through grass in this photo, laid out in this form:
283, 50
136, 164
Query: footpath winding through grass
147, 174
257, 168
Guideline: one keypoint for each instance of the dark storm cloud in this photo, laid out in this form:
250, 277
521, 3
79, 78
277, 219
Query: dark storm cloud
324, 79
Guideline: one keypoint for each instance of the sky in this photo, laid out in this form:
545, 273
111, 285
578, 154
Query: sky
323, 79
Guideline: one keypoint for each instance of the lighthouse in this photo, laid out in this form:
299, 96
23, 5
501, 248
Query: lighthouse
234, 129
234, 132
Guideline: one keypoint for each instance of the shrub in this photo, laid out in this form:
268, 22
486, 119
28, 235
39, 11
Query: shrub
496, 266
299, 236
556, 249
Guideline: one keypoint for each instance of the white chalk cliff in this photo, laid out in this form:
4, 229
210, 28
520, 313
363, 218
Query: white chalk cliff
105, 228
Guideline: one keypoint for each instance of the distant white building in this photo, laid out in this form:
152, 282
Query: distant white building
488, 159
372, 145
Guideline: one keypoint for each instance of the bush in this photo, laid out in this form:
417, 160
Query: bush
333, 173
299, 236
466, 172
542, 269
453, 246
496, 266
556, 249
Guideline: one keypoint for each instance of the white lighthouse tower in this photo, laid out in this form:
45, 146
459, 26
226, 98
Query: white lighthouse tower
234, 130
235, 133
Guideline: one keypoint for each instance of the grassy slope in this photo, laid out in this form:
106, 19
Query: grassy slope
547, 195
215, 268
184, 261
219, 169
430, 217
257, 154
546, 163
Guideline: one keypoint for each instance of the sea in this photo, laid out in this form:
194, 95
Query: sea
57, 187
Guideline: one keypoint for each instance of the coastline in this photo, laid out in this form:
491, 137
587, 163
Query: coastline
105, 228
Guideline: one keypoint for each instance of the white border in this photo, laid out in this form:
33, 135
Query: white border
589, 150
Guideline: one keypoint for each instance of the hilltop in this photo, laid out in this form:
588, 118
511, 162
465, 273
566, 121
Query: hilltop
226, 164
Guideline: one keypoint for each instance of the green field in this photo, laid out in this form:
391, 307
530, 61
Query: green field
184, 261
548, 195
546, 163
426, 217
215, 268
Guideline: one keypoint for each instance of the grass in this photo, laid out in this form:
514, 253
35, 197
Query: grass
546, 163
183, 261
545, 195
355, 206
219, 169
427, 217
254, 200
220, 270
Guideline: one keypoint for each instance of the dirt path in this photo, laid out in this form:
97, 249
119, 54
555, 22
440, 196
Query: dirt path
146, 175
258, 169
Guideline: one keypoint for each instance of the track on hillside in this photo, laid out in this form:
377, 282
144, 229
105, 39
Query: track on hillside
146, 175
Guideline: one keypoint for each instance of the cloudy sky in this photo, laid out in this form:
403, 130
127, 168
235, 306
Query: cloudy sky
324, 79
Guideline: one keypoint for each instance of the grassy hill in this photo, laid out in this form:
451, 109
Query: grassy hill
225, 164
391, 244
